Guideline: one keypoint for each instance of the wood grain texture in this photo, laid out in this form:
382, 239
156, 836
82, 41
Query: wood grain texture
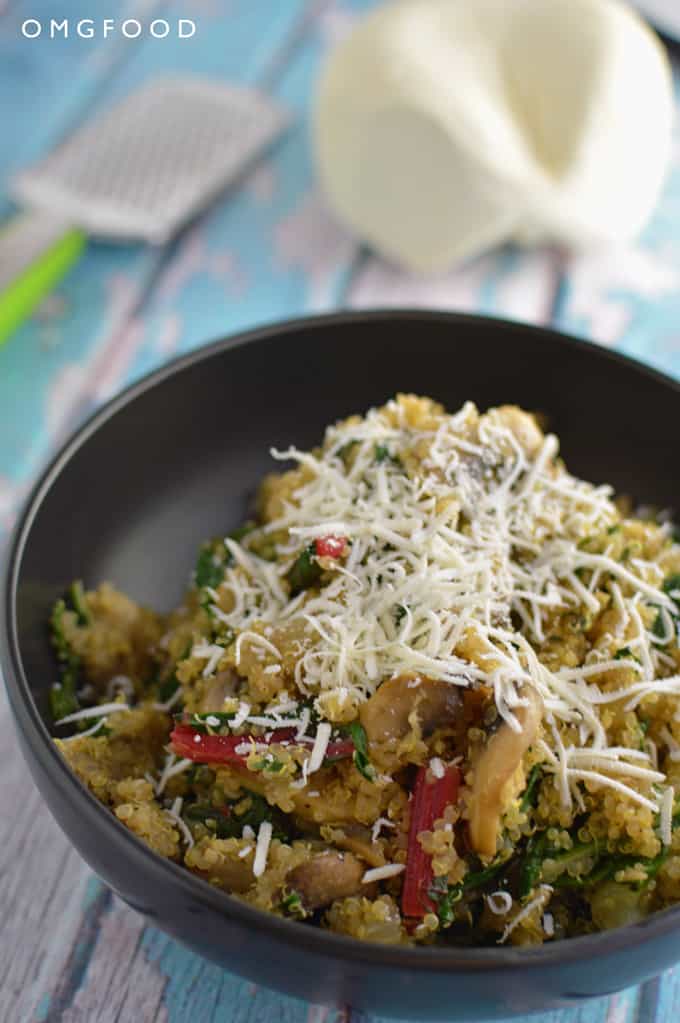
69, 949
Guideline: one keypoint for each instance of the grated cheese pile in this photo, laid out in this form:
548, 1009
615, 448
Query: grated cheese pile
465, 535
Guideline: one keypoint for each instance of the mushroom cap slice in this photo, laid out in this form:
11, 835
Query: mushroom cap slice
385, 716
494, 771
325, 877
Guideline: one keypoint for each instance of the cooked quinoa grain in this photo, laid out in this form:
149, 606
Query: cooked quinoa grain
430, 693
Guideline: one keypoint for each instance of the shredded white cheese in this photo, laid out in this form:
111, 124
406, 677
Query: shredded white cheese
666, 815
544, 893
241, 714
89, 731
499, 903
488, 532
381, 873
93, 712
172, 767
264, 837
316, 758
255, 640
382, 822
174, 813
212, 653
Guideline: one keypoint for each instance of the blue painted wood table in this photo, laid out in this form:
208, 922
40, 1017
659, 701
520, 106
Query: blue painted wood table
69, 950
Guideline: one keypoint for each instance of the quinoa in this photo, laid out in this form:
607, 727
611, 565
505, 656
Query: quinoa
432, 653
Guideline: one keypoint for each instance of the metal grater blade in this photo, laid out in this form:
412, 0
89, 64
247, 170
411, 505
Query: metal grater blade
146, 166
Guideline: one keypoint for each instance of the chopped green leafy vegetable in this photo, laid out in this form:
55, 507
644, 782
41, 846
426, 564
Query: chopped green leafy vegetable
479, 877
211, 564
101, 731
529, 796
215, 557
658, 628
167, 689
291, 904
216, 819
259, 810
268, 763
210, 723
672, 583
305, 571
383, 454
530, 867
446, 896
63, 694
229, 819
76, 595
399, 614
357, 733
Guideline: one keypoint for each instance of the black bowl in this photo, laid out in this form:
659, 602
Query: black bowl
175, 459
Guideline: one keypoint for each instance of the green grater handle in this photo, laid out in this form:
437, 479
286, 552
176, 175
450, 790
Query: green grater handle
35, 253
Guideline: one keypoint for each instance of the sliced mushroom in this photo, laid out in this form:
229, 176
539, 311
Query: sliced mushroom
325, 877
218, 689
494, 771
385, 716
356, 839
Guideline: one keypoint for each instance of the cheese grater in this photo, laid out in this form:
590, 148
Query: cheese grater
138, 172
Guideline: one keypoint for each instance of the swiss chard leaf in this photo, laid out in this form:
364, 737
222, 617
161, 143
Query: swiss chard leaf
399, 612
167, 689
383, 454
63, 694
211, 564
672, 583
76, 594
229, 819
215, 557
446, 896
305, 571
528, 799
292, 905
357, 733
530, 868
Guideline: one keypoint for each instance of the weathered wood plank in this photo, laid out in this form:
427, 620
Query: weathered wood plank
84, 342
240, 265
42, 891
117, 983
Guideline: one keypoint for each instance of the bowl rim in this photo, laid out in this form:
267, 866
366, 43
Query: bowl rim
430, 959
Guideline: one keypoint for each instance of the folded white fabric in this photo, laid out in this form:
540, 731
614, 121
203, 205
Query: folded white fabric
443, 127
